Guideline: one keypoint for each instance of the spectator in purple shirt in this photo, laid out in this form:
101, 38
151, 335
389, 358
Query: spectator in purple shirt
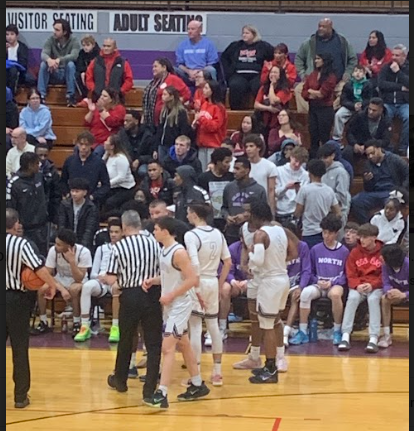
328, 279
235, 285
395, 276
299, 271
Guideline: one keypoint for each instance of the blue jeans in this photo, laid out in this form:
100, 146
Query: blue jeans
184, 76
402, 112
313, 240
64, 75
363, 203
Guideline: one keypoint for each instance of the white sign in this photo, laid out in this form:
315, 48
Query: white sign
143, 22
42, 19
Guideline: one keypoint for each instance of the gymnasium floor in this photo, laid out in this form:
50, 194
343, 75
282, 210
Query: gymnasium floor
320, 393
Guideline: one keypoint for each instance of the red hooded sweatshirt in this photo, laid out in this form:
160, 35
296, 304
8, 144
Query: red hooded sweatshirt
212, 125
109, 62
365, 267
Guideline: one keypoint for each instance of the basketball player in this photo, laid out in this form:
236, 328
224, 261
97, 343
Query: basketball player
207, 247
177, 278
273, 248
94, 288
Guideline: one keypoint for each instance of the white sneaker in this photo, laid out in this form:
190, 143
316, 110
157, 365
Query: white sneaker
385, 342
286, 341
282, 365
224, 334
208, 342
248, 364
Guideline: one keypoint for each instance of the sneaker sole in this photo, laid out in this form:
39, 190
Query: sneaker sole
184, 400
216, 384
155, 406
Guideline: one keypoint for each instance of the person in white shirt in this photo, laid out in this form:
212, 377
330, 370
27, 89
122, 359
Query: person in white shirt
289, 179
390, 222
262, 171
207, 247
20, 146
120, 174
68, 262
94, 288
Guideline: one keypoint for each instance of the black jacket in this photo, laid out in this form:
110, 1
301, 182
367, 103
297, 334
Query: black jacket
88, 222
51, 179
27, 196
358, 130
85, 59
391, 84
171, 163
166, 134
348, 98
167, 188
140, 146
397, 167
22, 55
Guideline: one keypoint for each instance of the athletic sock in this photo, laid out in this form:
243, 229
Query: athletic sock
217, 369
223, 324
85, 322
287, 331
197, 381
164, 390
387, 331
280, 352
43, 318
255, 353
337, 327
115, 322
303, 327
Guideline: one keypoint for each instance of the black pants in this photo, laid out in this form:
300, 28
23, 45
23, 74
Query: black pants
241, 85
13, 78
40, 237
140, 307
118, 197
321, 119
17, 328
81, 86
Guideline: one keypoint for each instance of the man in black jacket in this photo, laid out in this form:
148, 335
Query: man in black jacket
182, 154
394, 85
51, 180
25, 193
79, 214
86, 165
158, 184
373, 123
16, 51
384, 172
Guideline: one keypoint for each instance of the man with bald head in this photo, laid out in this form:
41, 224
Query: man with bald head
109, 69
20, 146
194, 54
325, 40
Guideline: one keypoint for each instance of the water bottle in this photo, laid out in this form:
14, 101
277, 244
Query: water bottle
313, 331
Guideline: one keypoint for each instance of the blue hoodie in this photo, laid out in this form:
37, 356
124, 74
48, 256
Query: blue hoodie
37, 123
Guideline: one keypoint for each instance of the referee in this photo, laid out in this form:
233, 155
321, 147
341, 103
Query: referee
18, 253
133, 260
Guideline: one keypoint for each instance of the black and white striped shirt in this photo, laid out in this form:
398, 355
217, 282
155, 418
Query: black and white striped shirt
133, 260
18, 253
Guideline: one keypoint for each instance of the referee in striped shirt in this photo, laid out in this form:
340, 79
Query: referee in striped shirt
133, 260
20, 253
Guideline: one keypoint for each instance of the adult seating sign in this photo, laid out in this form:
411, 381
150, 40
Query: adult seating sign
143, 22
85, 21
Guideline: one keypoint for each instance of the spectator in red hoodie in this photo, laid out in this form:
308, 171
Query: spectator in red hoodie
210, 123
105, 118
281, 59
163, 72
364, 272
109, 69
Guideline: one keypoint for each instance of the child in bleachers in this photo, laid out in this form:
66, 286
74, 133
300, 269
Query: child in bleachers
90, 50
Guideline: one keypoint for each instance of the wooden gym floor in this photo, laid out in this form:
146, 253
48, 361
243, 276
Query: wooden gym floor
69, 393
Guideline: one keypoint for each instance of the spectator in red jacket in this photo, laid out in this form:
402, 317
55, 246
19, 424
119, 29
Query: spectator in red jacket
272, 97
281, 59
105, 118
163, 72
319, 92
249, 126
202, 77
375, 56
210, 123
109, 69
364, 272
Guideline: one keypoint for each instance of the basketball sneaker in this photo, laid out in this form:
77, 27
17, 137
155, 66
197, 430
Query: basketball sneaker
76, 329
385, 342
299, 338
42, 328
114, 335
158, 401
337, 338
248, 364
194, 393
216, 380
83, 335
282, 365
133, 373
265, 377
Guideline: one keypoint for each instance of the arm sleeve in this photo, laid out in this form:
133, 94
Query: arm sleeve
192, 244
96, 267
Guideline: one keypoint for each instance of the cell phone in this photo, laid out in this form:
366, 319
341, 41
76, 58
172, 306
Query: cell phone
297, 183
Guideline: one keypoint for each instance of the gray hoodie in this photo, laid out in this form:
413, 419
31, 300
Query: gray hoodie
337, 178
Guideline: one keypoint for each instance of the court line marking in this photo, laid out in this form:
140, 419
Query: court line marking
156, 412
277, 424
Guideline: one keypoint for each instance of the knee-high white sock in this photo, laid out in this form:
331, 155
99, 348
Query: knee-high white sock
196, 330
216, 339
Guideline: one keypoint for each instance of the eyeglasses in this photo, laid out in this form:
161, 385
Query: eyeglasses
35, 98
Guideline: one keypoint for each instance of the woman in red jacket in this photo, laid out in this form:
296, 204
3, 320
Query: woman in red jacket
105, 118
249, 126
210, 123
202, 77
319, 92
281, 59
285, 129
273, 97
375, 56
163, 72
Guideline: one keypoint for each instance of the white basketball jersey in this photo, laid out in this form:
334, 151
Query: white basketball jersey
207, 248
275, 256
